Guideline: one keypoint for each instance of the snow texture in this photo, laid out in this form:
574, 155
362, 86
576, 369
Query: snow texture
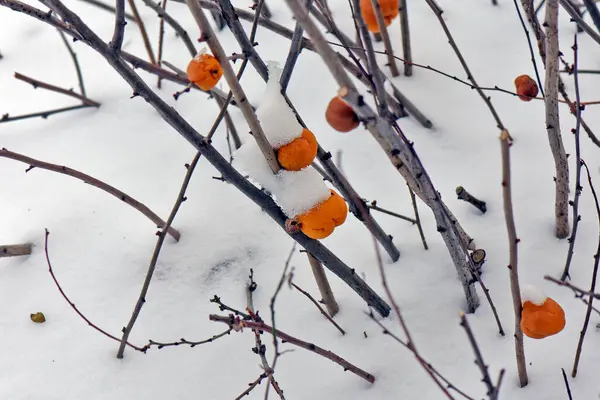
100, 247
277, 119
295, 191
532, 294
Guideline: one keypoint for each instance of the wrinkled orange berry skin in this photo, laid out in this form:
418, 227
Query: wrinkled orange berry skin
204, 71
320, 222
540, 321
299, 153
389, 9
526, 87
340, 116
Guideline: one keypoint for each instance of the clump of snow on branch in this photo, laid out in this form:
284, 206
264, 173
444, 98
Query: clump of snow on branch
275, 115
532, 294
296, 192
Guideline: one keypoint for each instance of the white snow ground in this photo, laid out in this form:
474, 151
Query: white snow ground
100, 248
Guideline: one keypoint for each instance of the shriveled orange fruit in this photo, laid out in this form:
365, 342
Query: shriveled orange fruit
204, 71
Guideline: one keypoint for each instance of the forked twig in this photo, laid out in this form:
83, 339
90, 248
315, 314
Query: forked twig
237, 324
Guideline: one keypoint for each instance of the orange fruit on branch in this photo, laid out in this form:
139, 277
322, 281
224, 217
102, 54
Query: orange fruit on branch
321, 220
204, 71
540, 321
389, 9
526, 87
299, 153
340, 115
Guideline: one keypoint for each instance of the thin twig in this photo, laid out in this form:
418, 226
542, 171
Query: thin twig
564, 374
293, 53
387, 43
61, 169
374, 206
513, 243
260, 348
181, 32
184, 341
162, 234
141, 349
413, 200
410, 344
238, 325
273, 330
108, 8
43, 114
578, 188
161, 38
323, 284
316, 303
460, 57
252, 385
39, 84
405, 30
143, 31
492, 391
423, 362
594, 277
75, 62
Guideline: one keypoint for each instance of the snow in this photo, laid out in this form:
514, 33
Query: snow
296, 192
276, 117
100, 248
532, 294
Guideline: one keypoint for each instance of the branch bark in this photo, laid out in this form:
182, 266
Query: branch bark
561, 164
513, 242
15, 250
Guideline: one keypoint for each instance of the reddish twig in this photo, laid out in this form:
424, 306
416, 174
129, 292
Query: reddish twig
237, 324
43, 114
61, 169
184, 341
141, 349
312, 299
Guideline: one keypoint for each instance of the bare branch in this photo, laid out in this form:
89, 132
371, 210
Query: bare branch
141, 349
513, 242
61, 169
75, 62
39, 84
119, 30
238, 325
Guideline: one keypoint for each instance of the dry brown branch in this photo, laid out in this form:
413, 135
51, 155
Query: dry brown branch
43, 114
404, 28
492, 391
561, 163
237, 324
323, 285
316, 303
143, 32
513, 243
39, 84
186, 342
594, 277
385, 37
238, 93
15, 250
162, 234
141, 349
61, 169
